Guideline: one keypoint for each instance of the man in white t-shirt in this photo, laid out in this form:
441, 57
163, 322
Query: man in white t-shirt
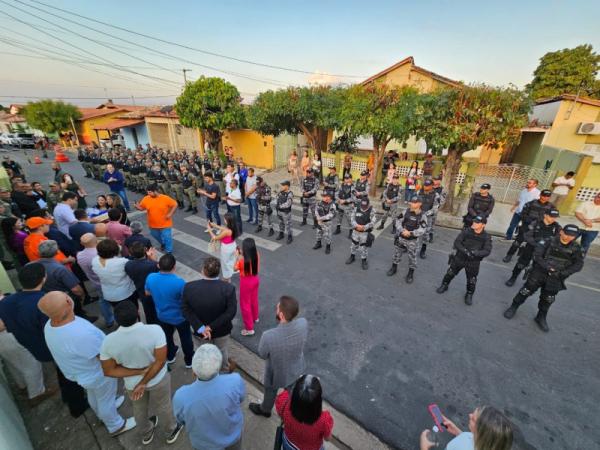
562, 186
135, 346
230, 175
251, 197
588, 214
234, 202
75, 346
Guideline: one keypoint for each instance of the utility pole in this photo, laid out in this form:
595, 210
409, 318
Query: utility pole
133, 100
184, 75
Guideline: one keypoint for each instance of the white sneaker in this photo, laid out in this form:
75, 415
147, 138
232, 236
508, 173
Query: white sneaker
128, 425
245, 332
119, 401
256, 321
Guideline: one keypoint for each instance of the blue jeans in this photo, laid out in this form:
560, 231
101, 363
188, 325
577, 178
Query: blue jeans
212, 213
106, 309
514, 222
237, 213
185, 337
587, 237
408, 193
123, 196
252, 210
164, 237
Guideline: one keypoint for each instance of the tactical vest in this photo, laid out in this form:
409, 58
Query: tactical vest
473, 241
172, 176
361, 186
331, 180
263, 194
439, 190
412, 221
87, 158
345, 191
218, 174
428, 199
536, 211
207, 164
126, 168
323, 209
392, 191
560, 256
481, 204
187, 180
282, 198
309, 184
363, 217
543, 232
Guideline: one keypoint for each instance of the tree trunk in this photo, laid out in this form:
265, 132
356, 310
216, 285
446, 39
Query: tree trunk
379, 149
451, 170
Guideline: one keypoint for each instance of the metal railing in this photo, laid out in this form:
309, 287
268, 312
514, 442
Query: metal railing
508, 180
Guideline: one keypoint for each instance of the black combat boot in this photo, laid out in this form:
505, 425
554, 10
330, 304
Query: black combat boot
445, 282
303, 222
512, 310
540, 319
271, 231
423, 250
180, 205
394, 228
280, 236
410, 276
511, 251
314, 223
317, 245
365, 264
381, 224
430, 238
290, 239
328, 249
513, 278
350, 233
195, 210
443, 288
189, 208
392, 270
469, 298
351, 259
338, 229
258, 229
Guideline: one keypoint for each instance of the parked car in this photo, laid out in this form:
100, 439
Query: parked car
7, 139
113, 141
25, 140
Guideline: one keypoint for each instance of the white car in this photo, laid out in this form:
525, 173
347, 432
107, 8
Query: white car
8, 139
23, 140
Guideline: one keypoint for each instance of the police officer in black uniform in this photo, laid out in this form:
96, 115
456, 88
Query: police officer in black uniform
361, 187
471, 246
538, 232
532, 211
331, 182
480, 204
553, 262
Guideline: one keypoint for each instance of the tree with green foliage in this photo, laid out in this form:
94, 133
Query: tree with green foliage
212, 105
567, 71
463, 119
312, 111
50, 116
382, 111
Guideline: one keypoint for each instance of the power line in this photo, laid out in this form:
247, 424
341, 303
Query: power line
86, 98
113, 88
206, 52
227, 72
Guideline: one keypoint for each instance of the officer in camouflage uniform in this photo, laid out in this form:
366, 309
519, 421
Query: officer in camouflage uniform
284, 211
471, 246
553, 262
430, 206
174, 183
87, 163
157, 176
361, 188
263, 199
391, 195
538, 232
410, 226
331, 182
480, 204
189, 186
345, 204
146, 170
53, 196
127, 172
309, 185
363, 221
324, 212
531, 212
101, 165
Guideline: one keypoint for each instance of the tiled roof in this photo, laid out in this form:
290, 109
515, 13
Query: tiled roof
410, 60
570, 97
119, 123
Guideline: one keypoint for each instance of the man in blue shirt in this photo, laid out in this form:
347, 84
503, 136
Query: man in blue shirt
210, 407
116, 183
213, 198
19, 315
166, 290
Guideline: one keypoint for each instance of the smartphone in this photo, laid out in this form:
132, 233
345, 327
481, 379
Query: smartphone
436, 414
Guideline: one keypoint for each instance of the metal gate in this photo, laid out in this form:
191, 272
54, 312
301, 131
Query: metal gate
508, 180
285, 144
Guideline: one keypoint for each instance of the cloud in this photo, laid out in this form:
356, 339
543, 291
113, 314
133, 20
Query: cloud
323, 79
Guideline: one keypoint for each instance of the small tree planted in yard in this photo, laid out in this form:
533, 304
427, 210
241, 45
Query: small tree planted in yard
463, 119
50, 116
211, 105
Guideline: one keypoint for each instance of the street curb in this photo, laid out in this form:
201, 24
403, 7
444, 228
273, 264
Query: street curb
347, 434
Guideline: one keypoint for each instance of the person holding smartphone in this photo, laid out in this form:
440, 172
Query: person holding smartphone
489, 429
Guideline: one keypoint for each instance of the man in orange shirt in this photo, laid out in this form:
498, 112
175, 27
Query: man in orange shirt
160, 209
38, 227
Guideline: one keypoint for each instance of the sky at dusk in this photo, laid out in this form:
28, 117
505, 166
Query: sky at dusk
46, 52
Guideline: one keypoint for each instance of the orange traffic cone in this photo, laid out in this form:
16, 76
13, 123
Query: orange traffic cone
37, 160
60, 156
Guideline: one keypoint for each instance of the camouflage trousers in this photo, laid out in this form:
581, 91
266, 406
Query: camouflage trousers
88, 168
359, 243
391, 212
412, 247
308, 204
285, 222
324, 232
344, 211
262, 212
190, 193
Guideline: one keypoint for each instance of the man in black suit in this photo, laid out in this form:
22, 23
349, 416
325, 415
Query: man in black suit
210, 305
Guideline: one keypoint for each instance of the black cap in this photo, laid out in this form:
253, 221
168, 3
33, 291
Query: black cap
479, 219
571, 230
347, 176
416, 199
427, 183
326, 194
309, 171
364, 173
364, 201
285, 183
553, 213
546, 193
486, 186
259, 179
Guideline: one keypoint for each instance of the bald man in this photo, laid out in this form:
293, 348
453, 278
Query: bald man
75, 346
84, 259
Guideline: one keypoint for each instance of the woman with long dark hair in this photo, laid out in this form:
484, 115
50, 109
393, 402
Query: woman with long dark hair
248, 266
15, 237
226, 234
115, 201
100, 208
68, 183
305, 423
411, 181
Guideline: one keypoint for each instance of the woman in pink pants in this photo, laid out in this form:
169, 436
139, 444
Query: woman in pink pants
247, 264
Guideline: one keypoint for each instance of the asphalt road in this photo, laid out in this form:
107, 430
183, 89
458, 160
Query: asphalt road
385, 350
